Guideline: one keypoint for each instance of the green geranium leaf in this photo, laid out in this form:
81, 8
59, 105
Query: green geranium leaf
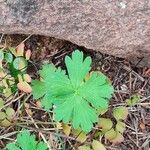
26, 141
76, 99
52, 86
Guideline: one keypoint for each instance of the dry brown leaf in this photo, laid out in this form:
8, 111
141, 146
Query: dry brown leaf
25, 87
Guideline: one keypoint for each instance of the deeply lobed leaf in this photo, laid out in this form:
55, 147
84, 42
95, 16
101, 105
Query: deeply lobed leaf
26, 141
77, 67
76, 98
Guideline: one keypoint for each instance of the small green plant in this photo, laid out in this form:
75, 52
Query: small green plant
110, 130
26, 141
76, 95
13, 65
133, 100
113, 132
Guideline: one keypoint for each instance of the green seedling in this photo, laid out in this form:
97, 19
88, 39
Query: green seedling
26, 141
75, 97
133, 100
13, 63
113, 131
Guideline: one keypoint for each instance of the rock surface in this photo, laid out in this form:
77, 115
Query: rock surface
116, 27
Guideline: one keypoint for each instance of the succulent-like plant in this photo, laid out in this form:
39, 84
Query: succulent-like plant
13, 65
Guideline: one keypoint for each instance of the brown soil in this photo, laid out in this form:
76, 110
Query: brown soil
125, 77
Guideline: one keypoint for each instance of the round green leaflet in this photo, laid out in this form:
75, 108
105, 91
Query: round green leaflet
19, 63
9, 57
